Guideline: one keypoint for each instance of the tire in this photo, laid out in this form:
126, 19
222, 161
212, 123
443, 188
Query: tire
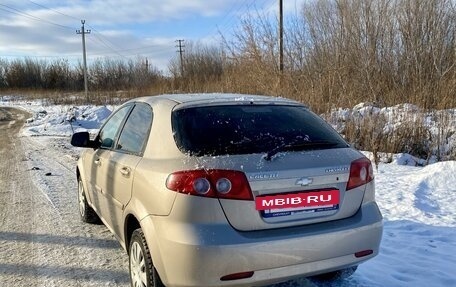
86, 212
335, 275
142, 270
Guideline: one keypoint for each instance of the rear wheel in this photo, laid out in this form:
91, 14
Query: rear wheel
85, 211
335, 275
142, 270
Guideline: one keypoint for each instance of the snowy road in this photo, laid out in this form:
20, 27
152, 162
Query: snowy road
42, 242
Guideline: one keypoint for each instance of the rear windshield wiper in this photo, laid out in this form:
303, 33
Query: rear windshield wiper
298, 146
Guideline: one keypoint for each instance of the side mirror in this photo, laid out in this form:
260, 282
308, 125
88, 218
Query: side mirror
82, 139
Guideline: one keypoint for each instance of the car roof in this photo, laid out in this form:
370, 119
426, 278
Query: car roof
214, 98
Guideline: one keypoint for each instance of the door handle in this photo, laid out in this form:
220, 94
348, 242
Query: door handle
97, 162
125, 171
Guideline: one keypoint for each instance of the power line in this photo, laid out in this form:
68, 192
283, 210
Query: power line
133, 49
105, 44
273, 4
101, 35
142, 48
98, 35
89, 56
111, 50
43, 56
226, 21
223, 25
103, 40
32, 17
229, 11
56, 11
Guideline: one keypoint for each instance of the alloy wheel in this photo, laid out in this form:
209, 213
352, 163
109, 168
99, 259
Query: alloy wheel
82, 200
137, 266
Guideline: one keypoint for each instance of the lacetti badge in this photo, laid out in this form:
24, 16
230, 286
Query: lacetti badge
339, 169
304, 199
263, 176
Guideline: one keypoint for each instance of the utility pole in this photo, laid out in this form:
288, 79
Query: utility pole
83, 31
281, 36
181, 54
147, 65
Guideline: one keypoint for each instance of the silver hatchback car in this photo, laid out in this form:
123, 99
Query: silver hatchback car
228, 190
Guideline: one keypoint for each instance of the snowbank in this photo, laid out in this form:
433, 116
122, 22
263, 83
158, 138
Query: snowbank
438, 128
61, 120
419, 239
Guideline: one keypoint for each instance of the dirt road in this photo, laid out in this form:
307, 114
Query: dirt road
42, 241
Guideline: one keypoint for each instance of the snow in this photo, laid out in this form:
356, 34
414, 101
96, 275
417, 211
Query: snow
419, 239
439, 126
61, 120
418, 201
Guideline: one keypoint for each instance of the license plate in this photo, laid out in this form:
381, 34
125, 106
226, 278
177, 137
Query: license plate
293, 211
302, 202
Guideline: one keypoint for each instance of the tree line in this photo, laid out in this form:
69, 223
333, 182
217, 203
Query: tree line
105, 74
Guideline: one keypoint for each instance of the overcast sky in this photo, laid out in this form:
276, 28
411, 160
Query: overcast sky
46, 29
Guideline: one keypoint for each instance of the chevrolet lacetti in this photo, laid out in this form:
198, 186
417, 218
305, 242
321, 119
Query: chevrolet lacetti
228, 190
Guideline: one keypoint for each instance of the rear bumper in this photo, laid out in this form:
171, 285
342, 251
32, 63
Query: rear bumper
199, 255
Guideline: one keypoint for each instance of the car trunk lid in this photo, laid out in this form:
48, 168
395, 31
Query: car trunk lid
294, 188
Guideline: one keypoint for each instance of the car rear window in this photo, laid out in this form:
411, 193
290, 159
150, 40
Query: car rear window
244, 129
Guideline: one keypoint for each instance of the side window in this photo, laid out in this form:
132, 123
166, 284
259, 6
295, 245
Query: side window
136, 130
108, 132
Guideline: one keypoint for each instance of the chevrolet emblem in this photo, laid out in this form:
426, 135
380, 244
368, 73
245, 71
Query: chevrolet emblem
304, 181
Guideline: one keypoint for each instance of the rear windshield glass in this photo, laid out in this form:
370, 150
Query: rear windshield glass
244, 129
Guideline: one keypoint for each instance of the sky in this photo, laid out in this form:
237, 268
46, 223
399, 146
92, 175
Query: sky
121, 29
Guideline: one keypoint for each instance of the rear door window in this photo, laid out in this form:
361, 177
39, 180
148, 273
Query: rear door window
243, 129
136, 130
111, 128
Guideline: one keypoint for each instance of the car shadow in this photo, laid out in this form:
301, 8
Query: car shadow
63, 240
75, 273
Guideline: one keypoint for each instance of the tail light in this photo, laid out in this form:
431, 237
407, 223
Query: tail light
216, 183
361, 172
